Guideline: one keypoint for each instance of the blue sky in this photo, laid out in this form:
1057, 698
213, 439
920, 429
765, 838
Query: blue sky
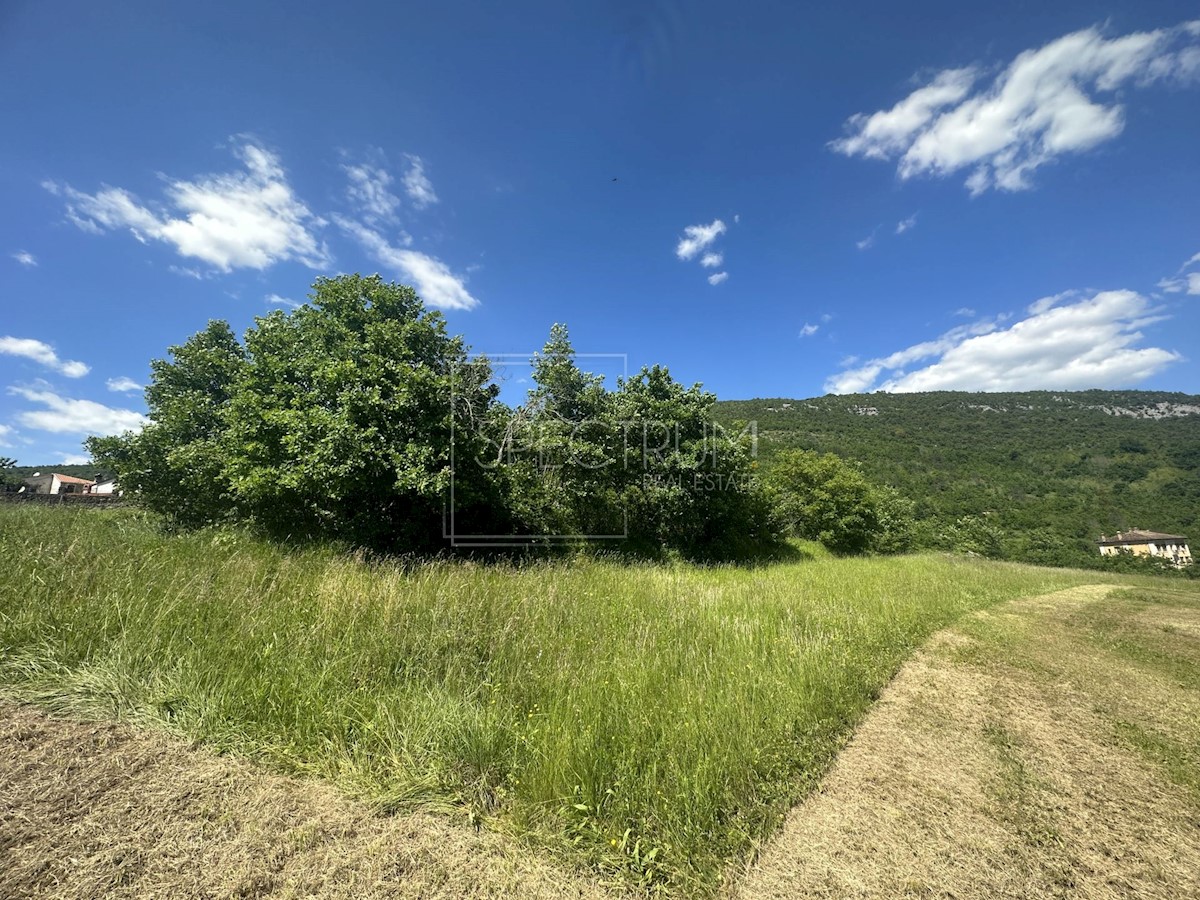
771, 199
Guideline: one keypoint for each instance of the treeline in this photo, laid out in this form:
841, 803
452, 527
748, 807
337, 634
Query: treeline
1033, 476
358, 418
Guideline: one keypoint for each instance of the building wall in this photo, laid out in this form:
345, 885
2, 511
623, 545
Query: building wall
1180, 553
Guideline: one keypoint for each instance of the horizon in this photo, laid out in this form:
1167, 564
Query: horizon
778, 203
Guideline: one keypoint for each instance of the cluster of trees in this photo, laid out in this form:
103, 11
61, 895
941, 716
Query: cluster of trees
357, 417
1032, 476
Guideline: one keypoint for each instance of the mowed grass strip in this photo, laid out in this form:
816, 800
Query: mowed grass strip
652, 722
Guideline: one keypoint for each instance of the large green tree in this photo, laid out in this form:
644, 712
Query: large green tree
343, 419
644, 460
334, 420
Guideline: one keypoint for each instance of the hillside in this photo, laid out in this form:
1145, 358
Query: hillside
1035, 476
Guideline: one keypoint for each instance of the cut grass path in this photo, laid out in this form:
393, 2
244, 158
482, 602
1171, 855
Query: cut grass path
649, 724
1042, 748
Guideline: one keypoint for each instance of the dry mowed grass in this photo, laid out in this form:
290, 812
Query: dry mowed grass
1043, 748
102, 810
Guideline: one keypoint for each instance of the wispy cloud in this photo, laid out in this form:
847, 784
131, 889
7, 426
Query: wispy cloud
248, 219
809, 330
122, 385
63, 415
369, 189
906, 224
1061, 344
1184, 281
432, 278
418, 187
868, 242
25, 258
717, 277
43, 353
276, 300
1055, 100
965, 312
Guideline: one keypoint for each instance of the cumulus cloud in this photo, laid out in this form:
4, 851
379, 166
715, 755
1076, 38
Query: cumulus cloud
74, 459
248, 219
1055, 100
1064, 343
697, 238
25, 258
43, 353
5, 433
122, 385
809, 330
432, 278
63, 415
418, 187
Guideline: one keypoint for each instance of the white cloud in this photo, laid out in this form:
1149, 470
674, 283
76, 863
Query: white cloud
1183, 281
369, 190
712, 260
965, 312
432, 278
122, 385
25, 258
417, 185
1084, 343
43, 353
276, 300
698, 237
63, 415
238, 220
5, 433
809, 330
74, 459
1047, 102
905, 224
866, 243
717, 277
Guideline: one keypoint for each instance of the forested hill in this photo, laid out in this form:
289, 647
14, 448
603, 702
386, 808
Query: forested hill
1036, 476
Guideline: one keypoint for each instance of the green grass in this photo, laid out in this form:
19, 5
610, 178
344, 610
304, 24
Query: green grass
652, 722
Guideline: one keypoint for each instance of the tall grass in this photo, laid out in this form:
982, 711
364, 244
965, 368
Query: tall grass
652, 721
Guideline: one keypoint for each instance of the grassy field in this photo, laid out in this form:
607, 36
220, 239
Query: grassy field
651, 722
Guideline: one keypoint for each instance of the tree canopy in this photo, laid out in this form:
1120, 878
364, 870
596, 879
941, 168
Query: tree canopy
357, 417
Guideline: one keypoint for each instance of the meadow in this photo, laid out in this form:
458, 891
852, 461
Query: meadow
649, 722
